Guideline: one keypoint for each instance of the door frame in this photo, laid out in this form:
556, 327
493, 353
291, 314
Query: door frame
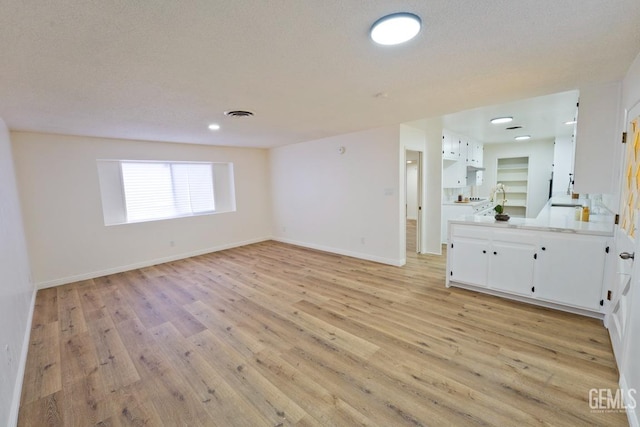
419, 198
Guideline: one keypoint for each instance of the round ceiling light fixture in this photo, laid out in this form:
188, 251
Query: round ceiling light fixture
395, 28
500, 120
522, 137
238, 113
214, 126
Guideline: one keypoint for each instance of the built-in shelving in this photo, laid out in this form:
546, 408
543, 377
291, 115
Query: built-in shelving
513, 172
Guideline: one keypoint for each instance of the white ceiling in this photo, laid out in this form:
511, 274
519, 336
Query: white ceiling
163, 70
542, 117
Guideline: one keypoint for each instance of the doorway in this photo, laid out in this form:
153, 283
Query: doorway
413, 206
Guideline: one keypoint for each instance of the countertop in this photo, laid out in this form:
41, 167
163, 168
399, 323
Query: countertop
552, 218
469, 203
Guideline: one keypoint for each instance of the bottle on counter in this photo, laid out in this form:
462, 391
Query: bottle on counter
585, 214
578, 213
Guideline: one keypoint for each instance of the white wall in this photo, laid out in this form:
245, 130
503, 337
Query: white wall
66, 235
540, 155
16, 290
344, 203
428, 140
563, 152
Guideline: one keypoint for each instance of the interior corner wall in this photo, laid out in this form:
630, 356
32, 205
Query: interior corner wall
16, 290
346, 203
66, 236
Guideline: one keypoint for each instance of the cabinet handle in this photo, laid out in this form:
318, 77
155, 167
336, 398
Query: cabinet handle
484, 252
627, 255
544, 249
495, 253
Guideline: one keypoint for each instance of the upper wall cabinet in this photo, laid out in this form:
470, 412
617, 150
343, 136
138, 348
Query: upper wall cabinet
451, 146
598, 137
475, 153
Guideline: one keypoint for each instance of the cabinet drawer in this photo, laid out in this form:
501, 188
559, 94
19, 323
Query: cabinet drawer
515, 237
470, 231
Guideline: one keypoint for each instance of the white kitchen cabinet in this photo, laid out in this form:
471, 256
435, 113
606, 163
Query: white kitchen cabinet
501, 260
570, 269
470, 263
598, 137
474, 153
454, 169
451, 149
454, 174
554, 269
511, 262
475, 177
469, 248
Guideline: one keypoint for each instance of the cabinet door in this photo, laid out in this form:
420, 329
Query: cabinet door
450, 146
478, 154
511, 267
454, 174
570, 269
469, 261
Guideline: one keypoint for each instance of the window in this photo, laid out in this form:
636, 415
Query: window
137, 191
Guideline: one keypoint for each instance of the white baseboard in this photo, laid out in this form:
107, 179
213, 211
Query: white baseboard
632, 415
142, 264
359, 255
17, 390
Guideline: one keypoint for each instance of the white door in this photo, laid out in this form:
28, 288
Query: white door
617, 320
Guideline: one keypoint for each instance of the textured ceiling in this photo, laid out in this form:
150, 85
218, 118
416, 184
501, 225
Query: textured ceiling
163, 70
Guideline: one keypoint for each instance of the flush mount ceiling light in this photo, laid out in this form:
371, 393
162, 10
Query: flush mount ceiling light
500, 120
238, 113
522, 137
395, 28
214, 126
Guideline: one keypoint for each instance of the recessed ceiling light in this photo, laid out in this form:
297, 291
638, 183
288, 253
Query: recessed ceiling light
571, 122
214, 126
395, 28
500, 120
409, 161
522, 137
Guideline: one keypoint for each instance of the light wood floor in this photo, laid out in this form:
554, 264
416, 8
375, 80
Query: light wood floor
276, 335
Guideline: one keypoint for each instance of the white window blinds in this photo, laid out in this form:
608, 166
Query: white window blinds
148, 190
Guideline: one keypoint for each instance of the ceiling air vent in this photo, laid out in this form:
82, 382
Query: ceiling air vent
514, 127
238, 113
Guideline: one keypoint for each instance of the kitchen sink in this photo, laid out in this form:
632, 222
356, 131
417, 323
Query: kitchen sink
564, 205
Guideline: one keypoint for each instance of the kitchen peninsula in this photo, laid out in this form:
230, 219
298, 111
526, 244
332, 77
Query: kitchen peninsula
552, 260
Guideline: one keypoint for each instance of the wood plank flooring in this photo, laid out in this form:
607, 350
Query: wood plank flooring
277, 335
